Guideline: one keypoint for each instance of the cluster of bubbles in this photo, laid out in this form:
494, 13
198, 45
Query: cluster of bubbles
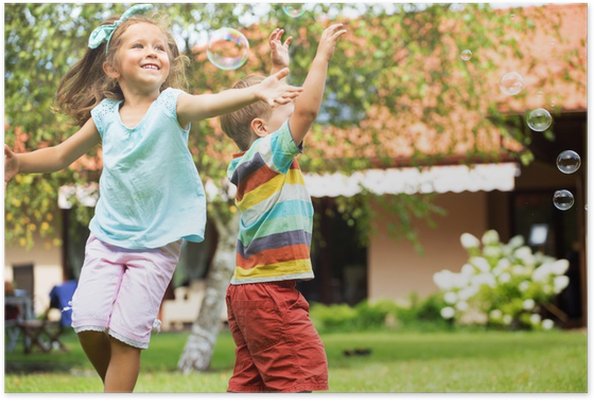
568, 162
512, 83
228, 49
539, 120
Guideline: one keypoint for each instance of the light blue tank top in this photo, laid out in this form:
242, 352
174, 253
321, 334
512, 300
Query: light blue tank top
150, 193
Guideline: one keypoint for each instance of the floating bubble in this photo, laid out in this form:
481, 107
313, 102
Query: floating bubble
227, 49
563, 199
466, 55
539, 120
293, 10
568, 162
511, 83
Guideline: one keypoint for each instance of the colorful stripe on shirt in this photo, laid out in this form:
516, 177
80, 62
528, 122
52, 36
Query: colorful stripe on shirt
276, 212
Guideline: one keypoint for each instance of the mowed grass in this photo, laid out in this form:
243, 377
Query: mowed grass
399, 362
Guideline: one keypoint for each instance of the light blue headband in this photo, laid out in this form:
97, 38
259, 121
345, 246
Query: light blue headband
103, 33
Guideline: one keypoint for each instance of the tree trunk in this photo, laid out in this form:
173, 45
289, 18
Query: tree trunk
198, 351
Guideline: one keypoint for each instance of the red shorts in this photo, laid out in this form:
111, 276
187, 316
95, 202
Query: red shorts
278, 348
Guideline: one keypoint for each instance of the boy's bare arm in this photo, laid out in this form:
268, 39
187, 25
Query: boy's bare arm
54, 158
279, 51
307, 105
272, 90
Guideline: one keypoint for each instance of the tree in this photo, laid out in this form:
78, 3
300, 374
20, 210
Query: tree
395, 85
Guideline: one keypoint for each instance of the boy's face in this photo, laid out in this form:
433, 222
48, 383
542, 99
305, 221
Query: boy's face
279, 115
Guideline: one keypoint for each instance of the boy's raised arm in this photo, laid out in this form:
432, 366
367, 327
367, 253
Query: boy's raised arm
279, 51
272, 90
307, 105
54, 158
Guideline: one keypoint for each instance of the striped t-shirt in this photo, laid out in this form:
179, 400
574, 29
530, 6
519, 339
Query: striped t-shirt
276, 211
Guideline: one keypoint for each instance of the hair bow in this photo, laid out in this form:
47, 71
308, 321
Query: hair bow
103, 33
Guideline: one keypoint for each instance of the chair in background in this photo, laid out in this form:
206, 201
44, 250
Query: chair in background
18, 307
45, 333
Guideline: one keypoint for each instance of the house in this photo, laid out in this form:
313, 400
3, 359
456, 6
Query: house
508, 197
477, 194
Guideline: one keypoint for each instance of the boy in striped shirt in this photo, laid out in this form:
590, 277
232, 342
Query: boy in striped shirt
277, 346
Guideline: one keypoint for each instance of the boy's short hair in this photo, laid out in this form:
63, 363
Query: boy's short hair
237, 124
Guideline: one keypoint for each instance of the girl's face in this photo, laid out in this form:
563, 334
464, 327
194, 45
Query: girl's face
142, 58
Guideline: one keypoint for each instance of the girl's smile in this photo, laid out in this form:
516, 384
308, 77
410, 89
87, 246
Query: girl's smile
142, 59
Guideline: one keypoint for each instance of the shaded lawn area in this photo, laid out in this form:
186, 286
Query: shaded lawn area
399, 362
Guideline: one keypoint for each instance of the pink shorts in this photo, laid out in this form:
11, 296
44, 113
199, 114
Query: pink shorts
120, 290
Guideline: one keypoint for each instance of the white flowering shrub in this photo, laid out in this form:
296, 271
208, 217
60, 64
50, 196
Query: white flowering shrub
501, 284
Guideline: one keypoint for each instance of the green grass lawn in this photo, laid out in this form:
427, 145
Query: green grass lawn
399, 362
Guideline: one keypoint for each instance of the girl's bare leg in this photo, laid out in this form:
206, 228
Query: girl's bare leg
123, 368
98, 349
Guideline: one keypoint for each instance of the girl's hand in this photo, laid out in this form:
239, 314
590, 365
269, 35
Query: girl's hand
279, 52
328, 41
11, 164
273, 91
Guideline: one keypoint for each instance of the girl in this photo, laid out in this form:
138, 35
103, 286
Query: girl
122, 94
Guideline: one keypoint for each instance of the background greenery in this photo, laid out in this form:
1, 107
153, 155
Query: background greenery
381, 68
400, 361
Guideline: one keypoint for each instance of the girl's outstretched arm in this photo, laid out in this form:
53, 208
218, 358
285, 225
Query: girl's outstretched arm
54, 158
271, 90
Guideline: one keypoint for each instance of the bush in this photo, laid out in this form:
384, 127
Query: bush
333, 317
503, 285
367, 315
422, 314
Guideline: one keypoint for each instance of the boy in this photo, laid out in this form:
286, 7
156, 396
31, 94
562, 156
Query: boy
278, 348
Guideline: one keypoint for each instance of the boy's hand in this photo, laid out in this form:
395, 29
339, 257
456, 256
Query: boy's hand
328, 41
11, 164
273, 91
279, 52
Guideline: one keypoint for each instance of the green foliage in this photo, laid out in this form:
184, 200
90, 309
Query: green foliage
453, 362
384, 314
333, 317
377, 67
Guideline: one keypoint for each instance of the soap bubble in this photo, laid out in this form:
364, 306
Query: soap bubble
563, 199
568, 162
293, 10
511, 83
466, 55
539, 120
227, 49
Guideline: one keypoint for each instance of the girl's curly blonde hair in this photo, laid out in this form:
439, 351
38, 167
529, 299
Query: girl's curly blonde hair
85, 85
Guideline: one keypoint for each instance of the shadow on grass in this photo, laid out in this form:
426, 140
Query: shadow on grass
29, 367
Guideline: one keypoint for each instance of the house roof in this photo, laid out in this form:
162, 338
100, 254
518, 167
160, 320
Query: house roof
553, 51
556, 51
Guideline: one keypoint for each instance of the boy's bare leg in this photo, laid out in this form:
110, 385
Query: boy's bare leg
123, 369
98, 349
